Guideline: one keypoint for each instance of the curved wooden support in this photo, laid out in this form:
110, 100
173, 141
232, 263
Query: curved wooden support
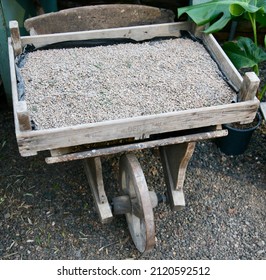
175, 159
93, 169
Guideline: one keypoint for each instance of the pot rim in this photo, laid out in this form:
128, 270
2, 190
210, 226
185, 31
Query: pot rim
228, 125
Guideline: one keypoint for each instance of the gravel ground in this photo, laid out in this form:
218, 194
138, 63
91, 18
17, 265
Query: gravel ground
66, 87
47, 212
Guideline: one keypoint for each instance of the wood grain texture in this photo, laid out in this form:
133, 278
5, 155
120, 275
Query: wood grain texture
93, 170
223, 61
97, 17
141, 219
263, 109
137, 33
59, 156
13, 84
30, 142
15, 37
249, 87
139, 127
175, 159
23, 116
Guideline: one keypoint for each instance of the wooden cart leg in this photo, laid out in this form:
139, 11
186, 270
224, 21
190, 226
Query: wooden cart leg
93, 169
175, 159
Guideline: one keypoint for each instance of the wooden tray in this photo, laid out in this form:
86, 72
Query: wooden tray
30, 142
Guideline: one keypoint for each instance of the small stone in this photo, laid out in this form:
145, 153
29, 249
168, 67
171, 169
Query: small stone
87, 85
261, 243
260, 252
232, 211
7, 215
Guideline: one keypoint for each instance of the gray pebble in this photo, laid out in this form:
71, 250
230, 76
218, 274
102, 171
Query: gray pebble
66, 87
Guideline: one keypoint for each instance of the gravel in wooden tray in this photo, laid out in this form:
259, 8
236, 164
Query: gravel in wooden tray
65, 87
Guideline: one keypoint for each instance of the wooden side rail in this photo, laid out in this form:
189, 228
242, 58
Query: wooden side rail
135, 146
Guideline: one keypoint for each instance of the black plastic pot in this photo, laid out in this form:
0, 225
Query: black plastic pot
237, 140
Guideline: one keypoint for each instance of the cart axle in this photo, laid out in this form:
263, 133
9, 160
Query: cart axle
124, 204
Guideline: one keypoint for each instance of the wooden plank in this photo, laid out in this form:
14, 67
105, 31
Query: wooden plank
93, 170
97, 17
23, 116
60, 152
223, 61
249, 87
137, 33
32, 142
263, 109
15, 37
13, 84
175, 159
135, 146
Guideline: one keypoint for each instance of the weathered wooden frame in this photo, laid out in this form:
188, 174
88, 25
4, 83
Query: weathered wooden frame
175, 151
31, 142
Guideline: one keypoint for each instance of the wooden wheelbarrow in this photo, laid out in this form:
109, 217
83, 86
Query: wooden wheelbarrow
174, 133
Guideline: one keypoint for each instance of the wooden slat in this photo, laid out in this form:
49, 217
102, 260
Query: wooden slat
32, 142
223, 61
13, 84
137, 33
23, 116
249, 87
15, 37
135, 146
61, 151
263, 109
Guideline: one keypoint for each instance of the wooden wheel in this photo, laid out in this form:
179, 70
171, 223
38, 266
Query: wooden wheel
140, 220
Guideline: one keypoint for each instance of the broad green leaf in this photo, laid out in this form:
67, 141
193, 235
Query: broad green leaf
220, 12
206, 12
244, 53
262, 4
261, 18
237, 8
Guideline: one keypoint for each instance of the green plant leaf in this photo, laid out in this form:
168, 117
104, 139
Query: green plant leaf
262, 4
206, 12
220, 12
239, 7
236, 10
244, 53
261, 14
261, 18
